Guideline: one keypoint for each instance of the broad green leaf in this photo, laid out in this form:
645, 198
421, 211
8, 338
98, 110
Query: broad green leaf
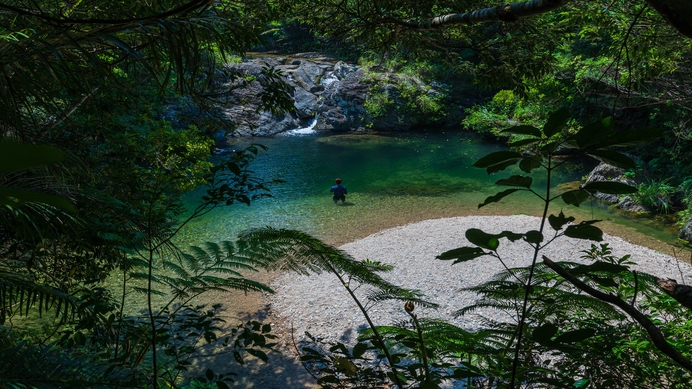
523, 142
523, 130
582, 383
609, 187
497, 158
359, 349
558, 221
633, 137
528, 164
613, 158
590, 133
346, 366
500, 166
516, 181
462, 254
584, 231
575, 197
482, 239
575, 336
15, 197
544, 333
497, 197
534, 236
15, 156
550, 148
556, 122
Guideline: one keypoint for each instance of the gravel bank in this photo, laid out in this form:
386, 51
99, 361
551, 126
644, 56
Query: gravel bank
320, 305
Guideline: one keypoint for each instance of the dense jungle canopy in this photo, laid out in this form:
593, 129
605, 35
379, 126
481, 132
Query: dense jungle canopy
93, 167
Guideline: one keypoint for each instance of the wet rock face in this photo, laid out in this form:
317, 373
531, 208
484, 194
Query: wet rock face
330, 92
608, 173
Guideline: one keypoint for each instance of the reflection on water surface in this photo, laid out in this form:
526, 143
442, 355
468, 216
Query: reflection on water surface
392, 179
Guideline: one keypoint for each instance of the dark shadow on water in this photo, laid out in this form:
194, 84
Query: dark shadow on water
346, 204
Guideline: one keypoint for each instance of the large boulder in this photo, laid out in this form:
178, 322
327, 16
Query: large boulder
686, 232
608, 173
628, 204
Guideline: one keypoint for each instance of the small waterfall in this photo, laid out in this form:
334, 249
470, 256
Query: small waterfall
328, 79
309, 129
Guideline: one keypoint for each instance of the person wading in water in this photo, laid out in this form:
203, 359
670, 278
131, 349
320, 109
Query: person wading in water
339, 191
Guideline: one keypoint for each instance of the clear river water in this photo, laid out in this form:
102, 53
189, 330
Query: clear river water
394, 179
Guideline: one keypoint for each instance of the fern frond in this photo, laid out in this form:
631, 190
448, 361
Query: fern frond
25, 294
300, 252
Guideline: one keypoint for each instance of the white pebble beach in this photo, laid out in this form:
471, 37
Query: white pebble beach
320, 304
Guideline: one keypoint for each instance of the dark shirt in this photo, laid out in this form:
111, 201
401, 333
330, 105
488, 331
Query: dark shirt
339, 190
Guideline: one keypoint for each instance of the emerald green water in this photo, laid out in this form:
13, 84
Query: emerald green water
392, 179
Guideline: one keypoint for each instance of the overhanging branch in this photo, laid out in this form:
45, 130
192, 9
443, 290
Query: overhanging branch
655, 333
503, 13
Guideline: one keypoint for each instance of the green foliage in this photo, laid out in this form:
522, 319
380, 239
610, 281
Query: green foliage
378, 102
656, 196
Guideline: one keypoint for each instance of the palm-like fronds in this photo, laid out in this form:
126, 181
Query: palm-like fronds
300, 252
22, 294
550, 294
214, 267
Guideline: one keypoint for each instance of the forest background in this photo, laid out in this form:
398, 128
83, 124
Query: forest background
93, 172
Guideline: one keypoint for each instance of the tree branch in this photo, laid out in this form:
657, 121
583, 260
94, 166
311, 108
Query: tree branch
183, 9
503, 13
655, 333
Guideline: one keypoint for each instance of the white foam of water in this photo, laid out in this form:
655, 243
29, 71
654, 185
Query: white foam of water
310, 129
328, 79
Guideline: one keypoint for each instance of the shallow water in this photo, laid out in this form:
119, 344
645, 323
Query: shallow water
394, 179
